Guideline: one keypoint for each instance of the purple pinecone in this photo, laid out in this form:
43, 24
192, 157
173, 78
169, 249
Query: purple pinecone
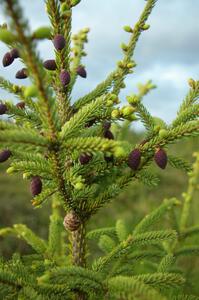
85, 158
4, 155
7, 59
22, 74
134, 159
21, 105
64, 77
36, 185
14, 53
50, 64
90, 123
3, 109
81, 72
59, 42
108, 135
160, 158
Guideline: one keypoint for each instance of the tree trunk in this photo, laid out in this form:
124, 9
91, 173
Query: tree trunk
78, 252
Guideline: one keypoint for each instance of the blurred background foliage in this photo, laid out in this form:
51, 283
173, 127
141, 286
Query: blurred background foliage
131, 205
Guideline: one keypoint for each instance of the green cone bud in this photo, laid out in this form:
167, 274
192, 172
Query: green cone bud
42, 33
86, 30
124, 47
26, 175
134, 100
30, 91
159, 122
119, 152
7, 36
75, 2
192, 83
145, 27
163, 133
128, 110
115, 113
157, 128
64, 7
10, 170
79, 186
128, 29
109, 103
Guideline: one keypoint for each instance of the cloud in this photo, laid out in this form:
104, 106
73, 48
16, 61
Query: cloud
167, 53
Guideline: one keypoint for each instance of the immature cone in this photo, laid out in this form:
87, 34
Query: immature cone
4, 155
43, 32
3, 109
22, 74
21, 105
30, 91
85, 158
134, 159
50, 65
64, 77
81, 72
14, 53
7, 59
36, 185
160, 158
108, 135
71, 221
59, 42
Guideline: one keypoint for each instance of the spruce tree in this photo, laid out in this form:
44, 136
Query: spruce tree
67, 150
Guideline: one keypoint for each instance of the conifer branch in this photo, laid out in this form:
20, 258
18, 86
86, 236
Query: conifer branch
37, 72
188, 196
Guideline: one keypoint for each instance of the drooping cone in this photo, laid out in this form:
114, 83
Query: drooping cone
64, 77
81, 72
22, 74
50, 65
134, 159
85, 158
36, 185
4, 155
21, 105
59, 42
7, 59
14, 53
71, 221
160, 158
3, 109
108, 135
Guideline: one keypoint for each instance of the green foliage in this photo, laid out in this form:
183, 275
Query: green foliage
69, 153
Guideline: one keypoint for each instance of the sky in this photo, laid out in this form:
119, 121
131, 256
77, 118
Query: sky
167, 53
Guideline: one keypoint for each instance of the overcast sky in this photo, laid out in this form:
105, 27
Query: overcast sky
168, 53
